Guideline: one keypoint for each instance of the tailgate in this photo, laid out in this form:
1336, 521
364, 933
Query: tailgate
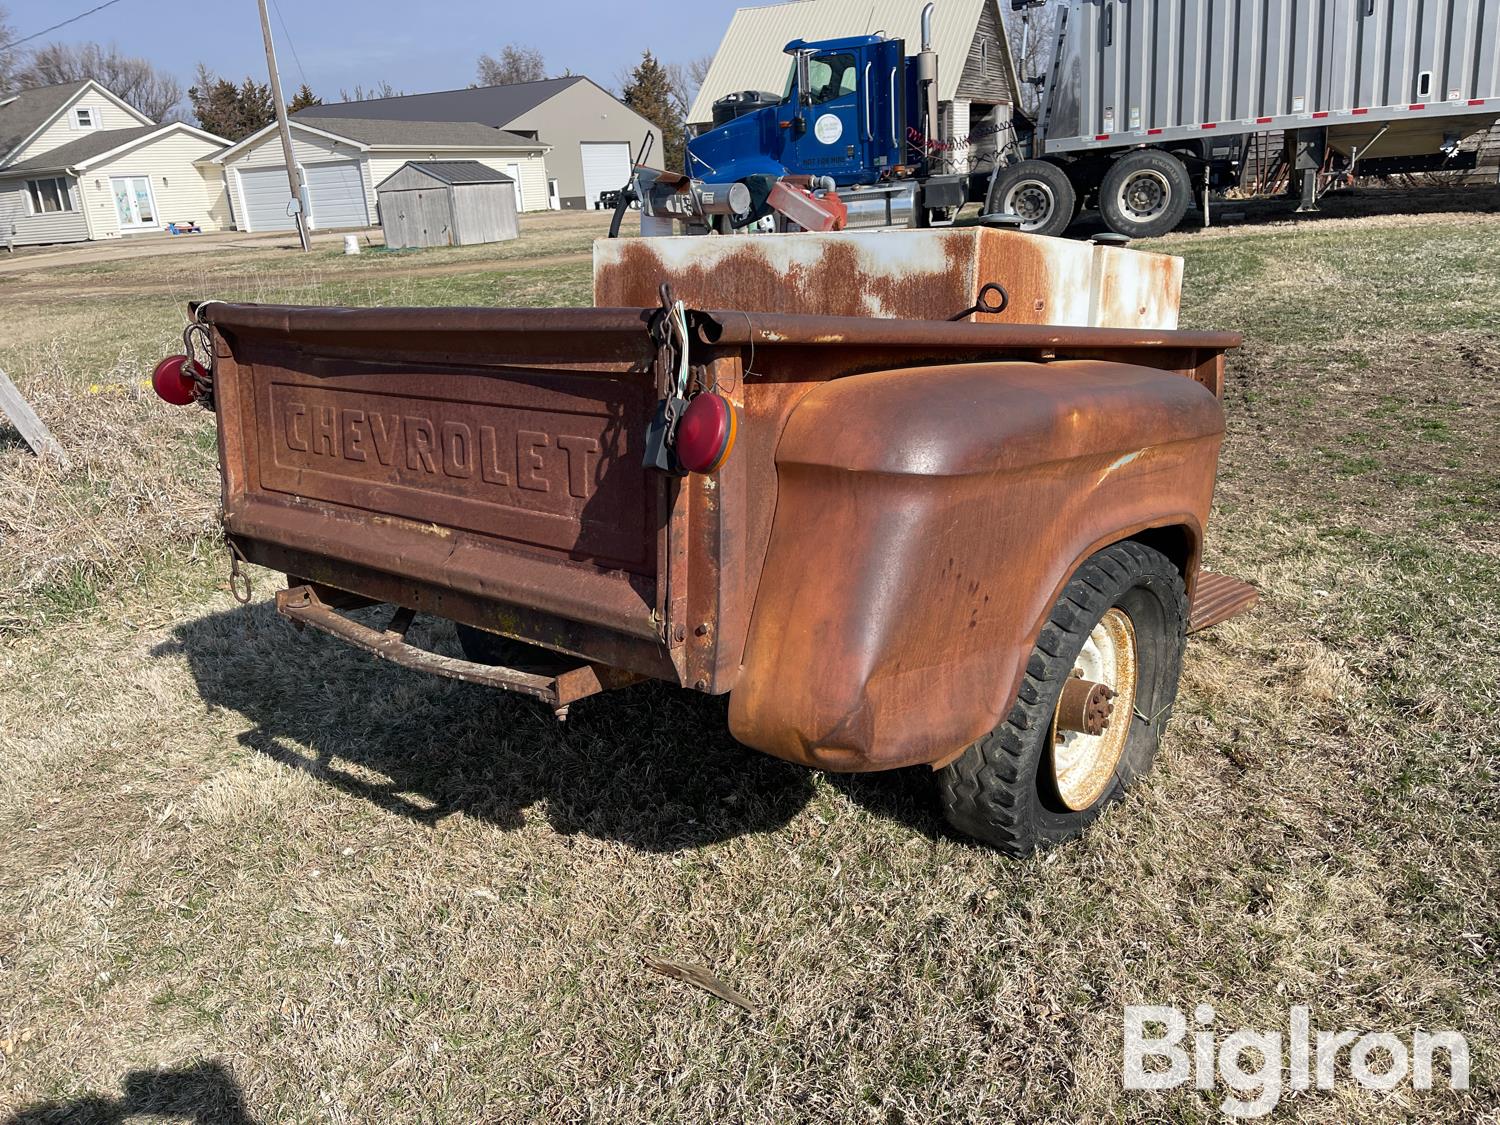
484, 465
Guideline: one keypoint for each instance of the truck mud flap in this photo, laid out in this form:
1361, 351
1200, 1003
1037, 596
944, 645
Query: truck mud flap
1217, 598
302, 606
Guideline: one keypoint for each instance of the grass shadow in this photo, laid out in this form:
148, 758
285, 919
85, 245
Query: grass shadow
650, 766
204, 1093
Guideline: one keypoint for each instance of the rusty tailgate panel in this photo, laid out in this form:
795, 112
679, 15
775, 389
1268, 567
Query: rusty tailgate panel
479, 452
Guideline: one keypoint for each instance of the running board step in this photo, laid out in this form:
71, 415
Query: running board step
1217, 598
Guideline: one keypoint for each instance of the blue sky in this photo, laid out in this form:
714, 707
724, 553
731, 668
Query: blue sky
343, 42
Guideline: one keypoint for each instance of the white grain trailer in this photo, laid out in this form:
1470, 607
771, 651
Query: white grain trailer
1146, 102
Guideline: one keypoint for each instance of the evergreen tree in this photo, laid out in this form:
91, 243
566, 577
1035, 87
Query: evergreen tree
304, 98
230, 111
650, 93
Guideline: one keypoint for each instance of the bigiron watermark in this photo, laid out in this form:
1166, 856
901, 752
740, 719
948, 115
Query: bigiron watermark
1162, 1053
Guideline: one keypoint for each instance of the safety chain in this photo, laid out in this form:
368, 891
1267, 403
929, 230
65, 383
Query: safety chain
197, 337
239, 580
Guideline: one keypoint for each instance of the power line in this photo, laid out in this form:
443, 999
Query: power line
54, 27
295, 58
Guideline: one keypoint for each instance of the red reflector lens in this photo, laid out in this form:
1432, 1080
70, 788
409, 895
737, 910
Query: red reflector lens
173, 381
706, 433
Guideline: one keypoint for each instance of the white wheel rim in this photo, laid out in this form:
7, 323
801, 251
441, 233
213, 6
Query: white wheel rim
1084, 765
1033, 201
1145, 194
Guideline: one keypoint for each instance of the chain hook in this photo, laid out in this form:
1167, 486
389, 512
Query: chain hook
239, 580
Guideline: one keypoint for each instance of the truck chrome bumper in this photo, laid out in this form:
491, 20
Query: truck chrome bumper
301, 605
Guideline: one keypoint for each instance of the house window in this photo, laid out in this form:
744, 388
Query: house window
86, 118
49, 196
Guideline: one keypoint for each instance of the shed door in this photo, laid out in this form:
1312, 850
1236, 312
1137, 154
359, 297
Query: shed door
606, 167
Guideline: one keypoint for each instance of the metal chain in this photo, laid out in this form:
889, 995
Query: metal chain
239, 580
197, 337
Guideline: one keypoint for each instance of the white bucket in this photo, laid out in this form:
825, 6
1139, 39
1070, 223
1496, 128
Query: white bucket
351, 244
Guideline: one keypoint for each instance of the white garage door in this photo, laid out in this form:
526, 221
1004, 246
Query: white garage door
606, 167
266, 194
336, 193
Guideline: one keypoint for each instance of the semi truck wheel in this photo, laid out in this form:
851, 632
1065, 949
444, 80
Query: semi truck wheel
1039, 192
1098, 689
1145, 193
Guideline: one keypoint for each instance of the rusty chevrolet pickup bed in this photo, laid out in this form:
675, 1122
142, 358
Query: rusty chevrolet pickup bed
868, 572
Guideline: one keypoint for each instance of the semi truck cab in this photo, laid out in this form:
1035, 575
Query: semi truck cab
843, 115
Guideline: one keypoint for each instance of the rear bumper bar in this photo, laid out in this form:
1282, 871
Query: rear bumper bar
302, 606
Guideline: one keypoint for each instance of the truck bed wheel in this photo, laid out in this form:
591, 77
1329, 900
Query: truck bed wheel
1039, 192
1069, 749
1145, 193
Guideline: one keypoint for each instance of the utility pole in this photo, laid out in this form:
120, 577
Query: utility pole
293, 179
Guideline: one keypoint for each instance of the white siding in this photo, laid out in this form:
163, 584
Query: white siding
533, 170
184, 192
31, 230
63, 131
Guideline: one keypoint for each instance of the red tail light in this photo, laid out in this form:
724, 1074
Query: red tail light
173, 380
706, 433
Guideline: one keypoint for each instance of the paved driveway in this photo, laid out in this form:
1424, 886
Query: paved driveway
154, 245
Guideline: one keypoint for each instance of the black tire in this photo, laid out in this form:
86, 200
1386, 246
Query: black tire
1038, 191
1145, 193
1002, 790
491, 648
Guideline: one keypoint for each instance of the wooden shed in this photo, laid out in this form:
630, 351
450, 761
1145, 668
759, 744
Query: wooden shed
446, 203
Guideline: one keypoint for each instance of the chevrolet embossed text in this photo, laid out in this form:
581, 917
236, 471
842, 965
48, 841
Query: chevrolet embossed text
414, 444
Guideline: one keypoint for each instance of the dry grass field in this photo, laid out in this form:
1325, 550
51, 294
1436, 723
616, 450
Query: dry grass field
248, 875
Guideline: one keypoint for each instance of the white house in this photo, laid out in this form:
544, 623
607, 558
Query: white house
78, 163
343, 159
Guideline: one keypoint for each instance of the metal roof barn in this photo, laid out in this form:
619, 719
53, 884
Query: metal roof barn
446, 203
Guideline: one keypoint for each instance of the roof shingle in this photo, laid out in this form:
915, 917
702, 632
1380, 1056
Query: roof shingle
85, 148
495, 106
25, 112
416, 134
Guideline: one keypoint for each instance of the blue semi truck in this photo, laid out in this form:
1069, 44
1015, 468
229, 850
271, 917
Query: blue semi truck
1142, 114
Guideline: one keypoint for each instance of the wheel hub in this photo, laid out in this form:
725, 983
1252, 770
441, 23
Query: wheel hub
1093, 717
1145, 195
1032, 200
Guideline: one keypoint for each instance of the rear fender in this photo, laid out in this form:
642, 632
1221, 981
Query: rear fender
927, 520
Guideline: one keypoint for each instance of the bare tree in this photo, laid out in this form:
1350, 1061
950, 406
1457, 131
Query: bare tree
686, 79
9, 59
154, 92
375, 92
515, 64
1031, 42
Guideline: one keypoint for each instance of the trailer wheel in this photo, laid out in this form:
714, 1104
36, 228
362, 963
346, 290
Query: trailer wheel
1145, 193
1097, 691
1039, 192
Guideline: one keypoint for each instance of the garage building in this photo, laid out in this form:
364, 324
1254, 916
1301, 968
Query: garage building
343, 160
590, 135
